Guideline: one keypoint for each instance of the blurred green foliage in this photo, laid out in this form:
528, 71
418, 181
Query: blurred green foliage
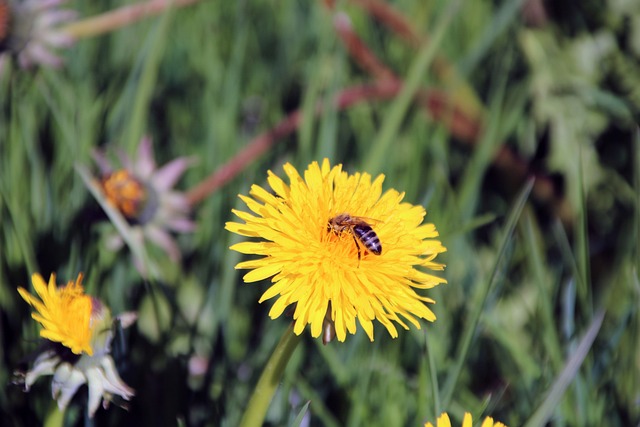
560, 92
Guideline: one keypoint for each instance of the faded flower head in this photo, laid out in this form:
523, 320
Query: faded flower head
339, 249
78, 330
467, 421
144, 195
29, 30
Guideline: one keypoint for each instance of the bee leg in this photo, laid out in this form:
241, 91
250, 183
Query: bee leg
357, 246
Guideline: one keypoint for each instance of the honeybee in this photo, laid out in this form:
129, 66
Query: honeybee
361, 231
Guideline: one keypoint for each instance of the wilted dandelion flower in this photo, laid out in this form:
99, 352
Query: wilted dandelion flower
444, 421
29, 30
144, 195
340, 250
78, 330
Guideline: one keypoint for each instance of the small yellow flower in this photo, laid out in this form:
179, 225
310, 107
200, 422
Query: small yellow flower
444, 421
331, 270
64, 312
91, 364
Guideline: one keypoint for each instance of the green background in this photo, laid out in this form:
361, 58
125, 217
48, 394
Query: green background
528, 271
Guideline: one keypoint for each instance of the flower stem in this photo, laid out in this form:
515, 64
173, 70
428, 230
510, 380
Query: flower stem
121, 17
55, 416
268, 383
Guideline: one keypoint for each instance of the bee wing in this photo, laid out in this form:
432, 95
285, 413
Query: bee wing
370, 221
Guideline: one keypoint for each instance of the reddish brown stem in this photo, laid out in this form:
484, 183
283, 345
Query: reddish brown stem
436, 102
260, 144
390, 17
440, 107
359, 51
255, 149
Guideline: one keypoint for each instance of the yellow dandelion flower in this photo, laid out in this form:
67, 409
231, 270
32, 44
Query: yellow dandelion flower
64, 312
467, 421
97, 370
340, 249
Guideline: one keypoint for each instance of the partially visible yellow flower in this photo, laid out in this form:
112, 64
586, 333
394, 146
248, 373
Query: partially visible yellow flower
64, 312
444, 421
366, 265
82, 324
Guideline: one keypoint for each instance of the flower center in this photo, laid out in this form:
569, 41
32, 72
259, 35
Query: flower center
343, 245
132, 197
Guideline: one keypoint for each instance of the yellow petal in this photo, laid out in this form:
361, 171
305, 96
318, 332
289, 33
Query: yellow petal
444, 421
488, 422
262, 273
259, 248
467, 420
278, 185
241, 229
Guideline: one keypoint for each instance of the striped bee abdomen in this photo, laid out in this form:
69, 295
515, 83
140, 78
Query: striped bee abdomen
368, 238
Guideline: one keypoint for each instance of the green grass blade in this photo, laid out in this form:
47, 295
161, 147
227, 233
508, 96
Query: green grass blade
298, 421
156, 44
582, 241
479, 298
507, 14
535, 258
636, 181
129, 115
374, 162
319, 408
433, 373
485, 150
543, 414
